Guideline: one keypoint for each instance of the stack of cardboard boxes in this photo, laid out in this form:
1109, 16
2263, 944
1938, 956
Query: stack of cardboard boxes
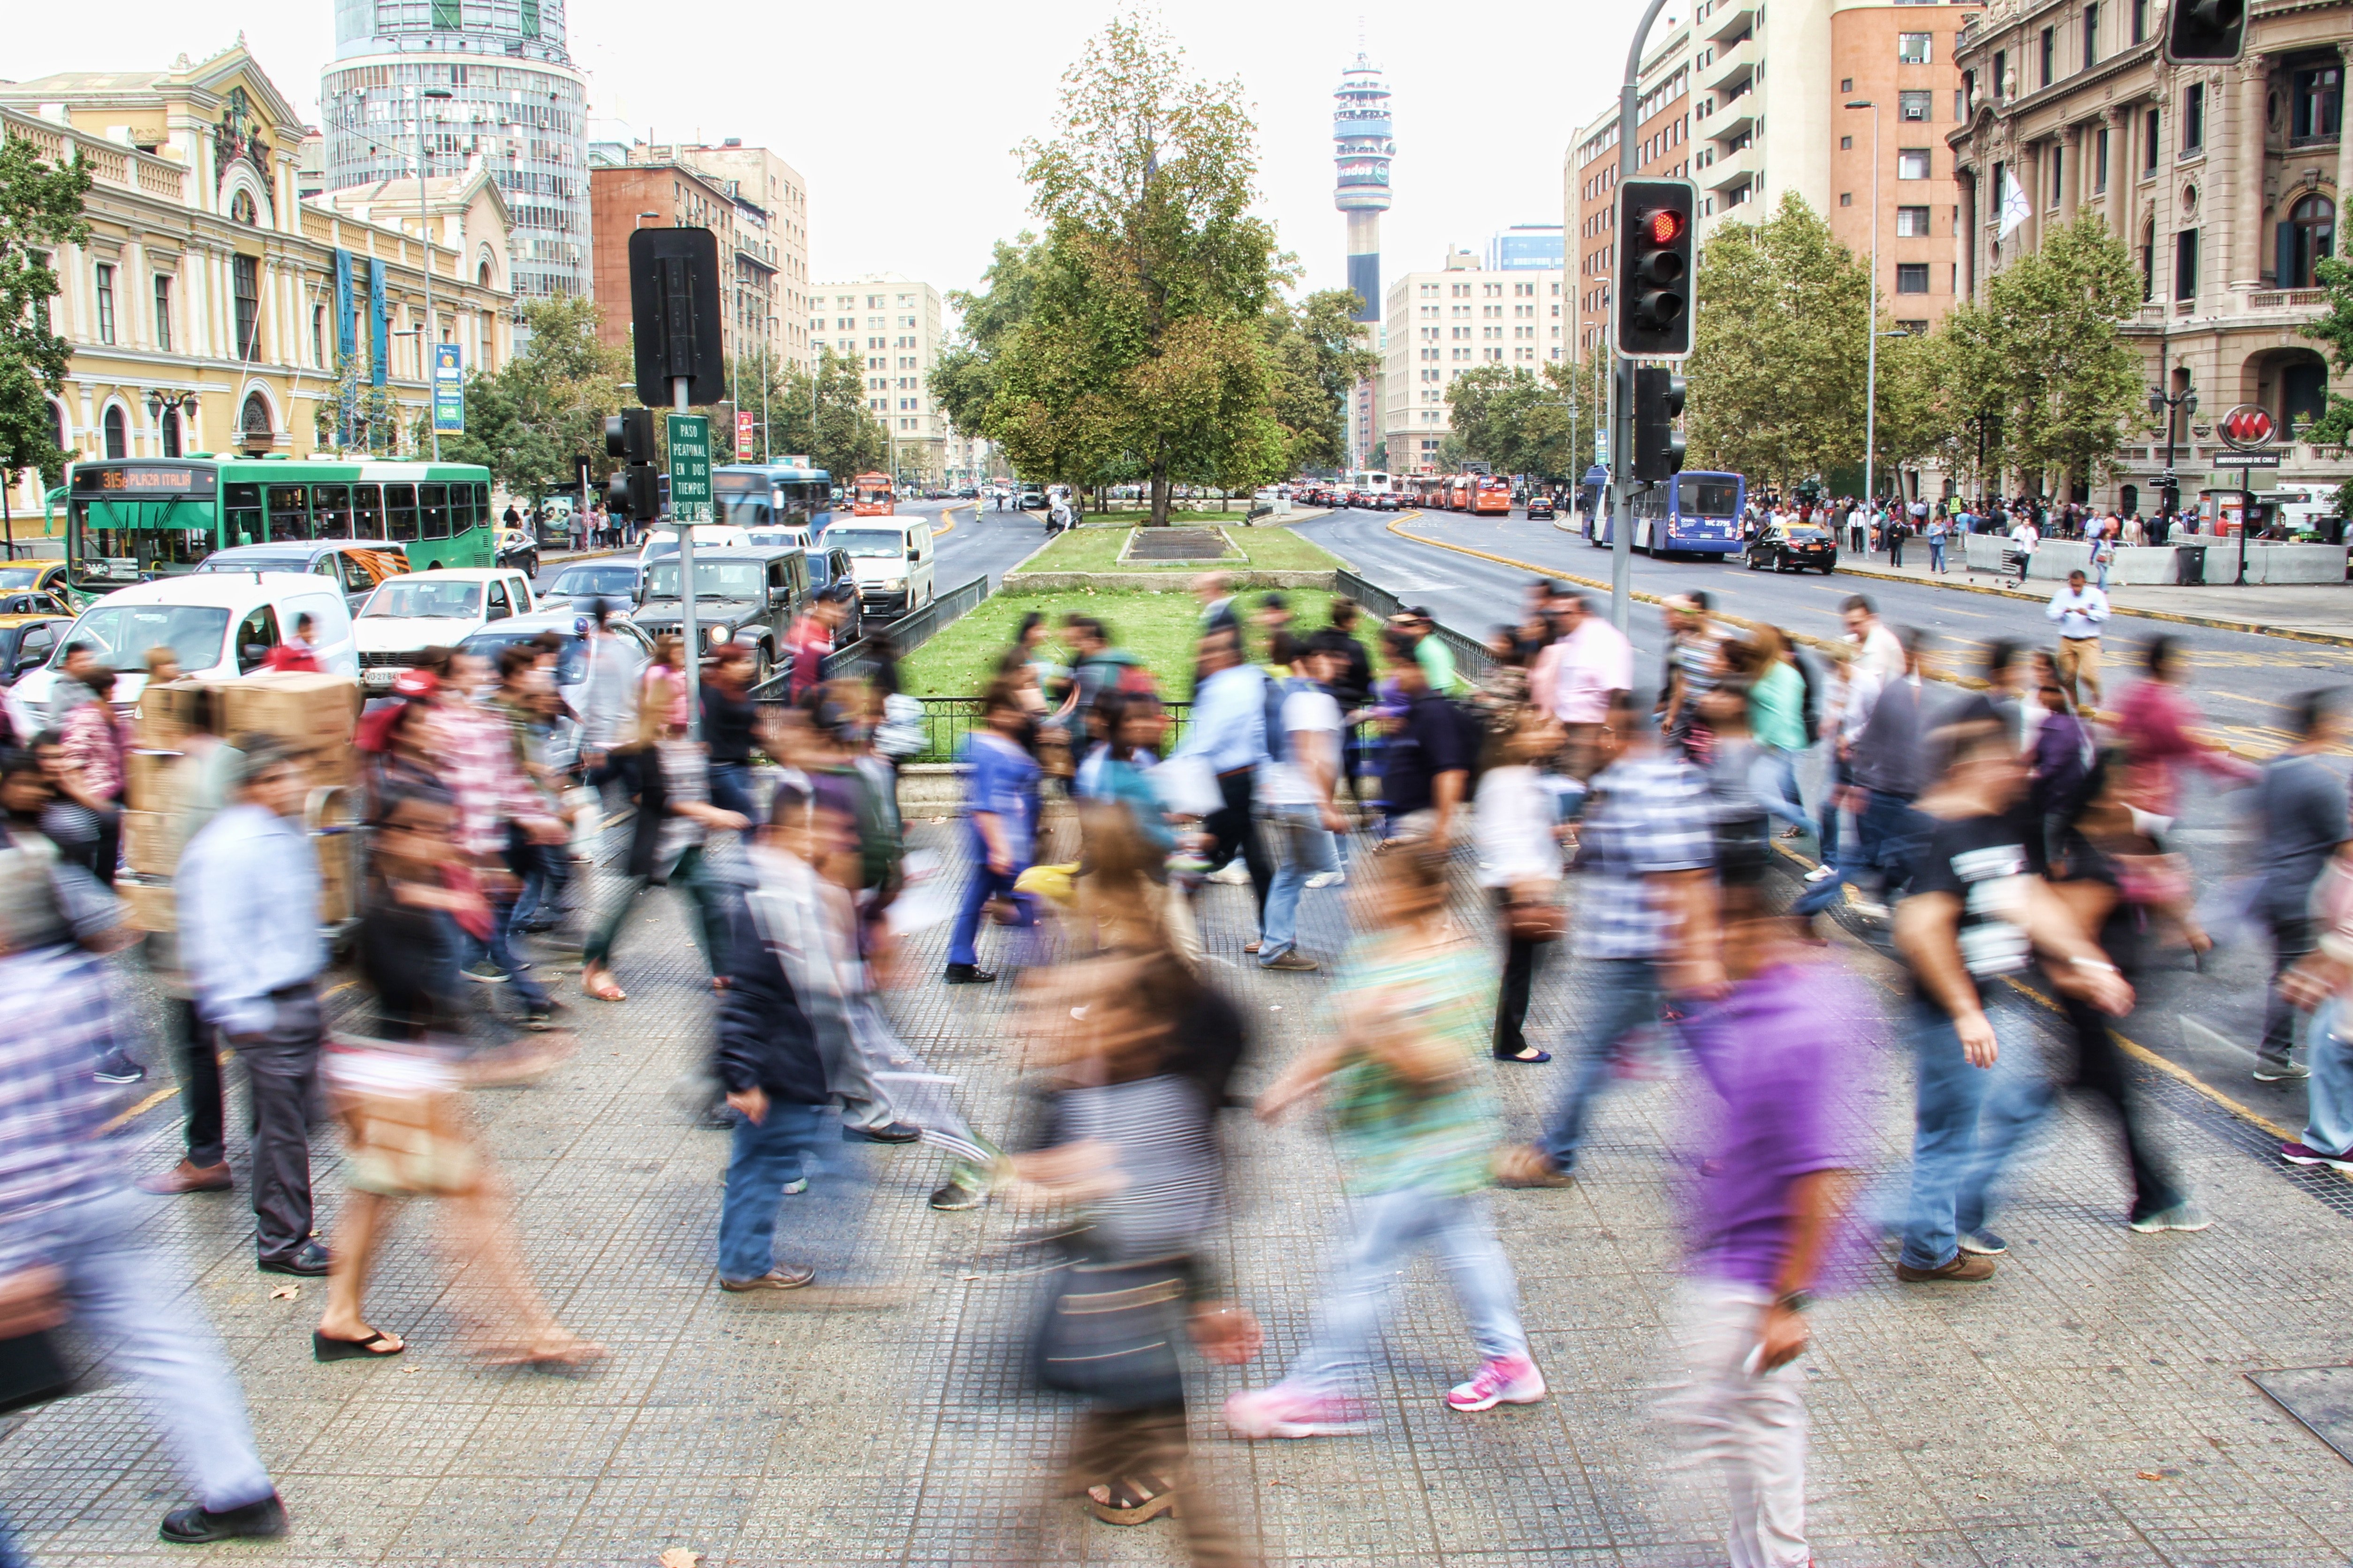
312, 714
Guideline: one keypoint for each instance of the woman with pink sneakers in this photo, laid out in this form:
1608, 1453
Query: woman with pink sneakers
1416, 1125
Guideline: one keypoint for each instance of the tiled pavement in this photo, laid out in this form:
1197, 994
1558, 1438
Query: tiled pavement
2087, 1407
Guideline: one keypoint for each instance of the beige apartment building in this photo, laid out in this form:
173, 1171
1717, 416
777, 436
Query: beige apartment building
210, 307
771, 202
1438, 325
2224, 181
892, 325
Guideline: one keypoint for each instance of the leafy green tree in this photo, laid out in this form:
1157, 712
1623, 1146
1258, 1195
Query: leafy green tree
1143, 343
1517, 420
530, 420
2070, 383
1317, 356
1777, 352
40, 208
963, 379
2335, 425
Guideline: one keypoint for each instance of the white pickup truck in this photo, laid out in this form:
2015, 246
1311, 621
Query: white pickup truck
409, 614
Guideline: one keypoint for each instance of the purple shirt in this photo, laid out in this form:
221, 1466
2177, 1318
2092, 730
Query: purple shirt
1783, 1054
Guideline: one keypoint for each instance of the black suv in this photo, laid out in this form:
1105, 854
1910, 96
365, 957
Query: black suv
742, 593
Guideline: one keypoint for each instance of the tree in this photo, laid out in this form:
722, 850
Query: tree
2335, 425
1777, 370
2070, 382
1142, 342
963, 379
530, 420
40, 208
1517, 421
1316, 357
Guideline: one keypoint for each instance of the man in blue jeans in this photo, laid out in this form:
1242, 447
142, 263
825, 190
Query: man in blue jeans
1646, 917
1296, 788
1885, 763
1976, 918
1001, 823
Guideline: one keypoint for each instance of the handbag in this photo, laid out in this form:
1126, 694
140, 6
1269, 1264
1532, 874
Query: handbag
1110, 1330
404, 1118
32, 1372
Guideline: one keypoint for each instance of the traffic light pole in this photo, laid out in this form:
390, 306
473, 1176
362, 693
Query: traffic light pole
1622, 400
689, 628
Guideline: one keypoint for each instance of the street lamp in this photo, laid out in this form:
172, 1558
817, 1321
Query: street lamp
424, 227
1871, 323
160, 403
2172, 406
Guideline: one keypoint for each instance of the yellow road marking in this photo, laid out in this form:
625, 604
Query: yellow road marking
152, 1101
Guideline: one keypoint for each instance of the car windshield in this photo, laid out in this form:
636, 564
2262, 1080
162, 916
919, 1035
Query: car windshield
596, 580
777, 537
425, 599
712, 580
122, 634
225, 562
17, 578
571, 658
873, 543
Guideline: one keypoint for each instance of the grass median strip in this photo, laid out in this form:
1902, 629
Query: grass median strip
1097, 549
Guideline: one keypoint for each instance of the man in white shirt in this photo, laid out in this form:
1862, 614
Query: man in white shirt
1877, 650
2080, 611
1295, 793
2022, 540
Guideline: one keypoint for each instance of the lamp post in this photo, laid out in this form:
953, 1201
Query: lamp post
425, 228
2172, 406
1871, 325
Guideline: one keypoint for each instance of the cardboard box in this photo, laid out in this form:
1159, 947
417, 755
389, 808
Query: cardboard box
165, 715
336, 887
152, 904
306, 711
149, 842
330, 766
158, 782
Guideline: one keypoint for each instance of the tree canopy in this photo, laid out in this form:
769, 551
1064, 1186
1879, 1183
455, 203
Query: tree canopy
1316, 355
40, 208
1517, 421
529, 419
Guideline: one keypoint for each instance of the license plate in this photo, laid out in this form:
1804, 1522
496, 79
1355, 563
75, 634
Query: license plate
381, 677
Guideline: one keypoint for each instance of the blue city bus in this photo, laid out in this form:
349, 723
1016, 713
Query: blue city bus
771, 494
1693, 514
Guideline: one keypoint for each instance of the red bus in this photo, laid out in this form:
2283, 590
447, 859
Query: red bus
1491, 496
1458, 492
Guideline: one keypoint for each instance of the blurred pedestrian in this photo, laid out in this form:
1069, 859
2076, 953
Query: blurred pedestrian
728, 712
1427, 757
1517, 825
1579, 677
2321, 982
503, 816
1401, 1065
1888, 762
1001, 827
2299, 821
1296, 785
298, 654
1228, 734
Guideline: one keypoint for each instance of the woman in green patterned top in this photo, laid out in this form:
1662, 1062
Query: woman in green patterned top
1416, 1128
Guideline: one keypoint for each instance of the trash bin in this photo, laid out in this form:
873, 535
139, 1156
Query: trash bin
2189, 565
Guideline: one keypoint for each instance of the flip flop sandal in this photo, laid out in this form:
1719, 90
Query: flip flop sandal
1133, 1500
572, 1356
603, 988
326, 1347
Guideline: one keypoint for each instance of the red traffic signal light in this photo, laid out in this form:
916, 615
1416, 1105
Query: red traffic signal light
1653, 280
1666, 226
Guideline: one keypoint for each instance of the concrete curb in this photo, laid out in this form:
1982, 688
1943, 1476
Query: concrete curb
1153, 582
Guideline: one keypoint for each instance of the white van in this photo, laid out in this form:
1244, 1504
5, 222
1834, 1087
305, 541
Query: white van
892, 558
218, 622
663, 541
441, 608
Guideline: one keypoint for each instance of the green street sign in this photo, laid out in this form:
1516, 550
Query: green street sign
689, 467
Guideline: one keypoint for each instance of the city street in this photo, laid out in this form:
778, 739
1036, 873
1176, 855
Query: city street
2206, 1023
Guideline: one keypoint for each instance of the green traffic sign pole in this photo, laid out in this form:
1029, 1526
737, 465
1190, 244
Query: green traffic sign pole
690, 472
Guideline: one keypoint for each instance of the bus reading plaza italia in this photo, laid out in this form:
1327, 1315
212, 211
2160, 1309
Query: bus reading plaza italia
129, 520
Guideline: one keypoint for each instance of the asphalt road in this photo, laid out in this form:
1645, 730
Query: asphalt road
2207, 1023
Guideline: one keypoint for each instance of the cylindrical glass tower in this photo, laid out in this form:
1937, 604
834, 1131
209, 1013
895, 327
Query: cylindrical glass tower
1362, 147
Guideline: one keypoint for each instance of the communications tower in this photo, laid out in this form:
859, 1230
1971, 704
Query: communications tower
1361, 150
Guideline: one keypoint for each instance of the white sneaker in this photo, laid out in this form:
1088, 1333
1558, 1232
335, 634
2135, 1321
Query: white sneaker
1328, 879
1867, 909
1234, 872
1820, 873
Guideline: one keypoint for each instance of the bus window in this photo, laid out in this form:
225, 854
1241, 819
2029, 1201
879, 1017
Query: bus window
1698, 497
244, 521
330, 510
290, 514
462, 508
367, 511
482, 506
433, 501
400, 511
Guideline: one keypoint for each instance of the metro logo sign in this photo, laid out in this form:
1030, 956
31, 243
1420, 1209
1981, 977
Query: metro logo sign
2249, 427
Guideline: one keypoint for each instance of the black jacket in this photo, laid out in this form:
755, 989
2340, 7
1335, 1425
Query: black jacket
765, 1040
1353, 686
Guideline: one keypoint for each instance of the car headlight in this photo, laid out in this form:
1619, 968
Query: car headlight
894, 583
714, 635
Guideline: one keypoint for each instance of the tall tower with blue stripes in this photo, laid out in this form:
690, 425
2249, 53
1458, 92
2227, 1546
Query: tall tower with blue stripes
1361, 150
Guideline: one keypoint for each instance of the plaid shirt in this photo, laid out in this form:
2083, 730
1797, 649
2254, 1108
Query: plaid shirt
61, 1014
476, 756
1647, 815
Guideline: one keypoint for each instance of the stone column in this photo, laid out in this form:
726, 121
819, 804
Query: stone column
2244, 117
2028, 236
2122, 176
2070, 173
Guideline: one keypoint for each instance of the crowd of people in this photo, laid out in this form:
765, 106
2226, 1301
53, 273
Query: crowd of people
2002, 842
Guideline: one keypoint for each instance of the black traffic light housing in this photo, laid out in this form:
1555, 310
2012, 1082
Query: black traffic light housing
1656, 247
634, 491
1658, 445
2197, 30
674, 314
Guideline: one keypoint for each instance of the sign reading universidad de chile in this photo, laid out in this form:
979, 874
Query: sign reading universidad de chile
689, 467
448, 391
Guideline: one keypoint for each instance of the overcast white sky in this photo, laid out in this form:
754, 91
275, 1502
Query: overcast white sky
902, 118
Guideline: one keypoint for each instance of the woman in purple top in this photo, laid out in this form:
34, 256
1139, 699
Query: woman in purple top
1000, 825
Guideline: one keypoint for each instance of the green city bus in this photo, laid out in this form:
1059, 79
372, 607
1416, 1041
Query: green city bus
131, 519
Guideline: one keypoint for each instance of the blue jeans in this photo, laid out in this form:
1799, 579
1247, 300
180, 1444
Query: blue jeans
761, 1160
500, 950
1887, 837
1305, 848
978, 889
1389, 1227
1774, 779
1626, 997
1833, 776
2328, 1126
731, 788
1936, 554
1967, 1121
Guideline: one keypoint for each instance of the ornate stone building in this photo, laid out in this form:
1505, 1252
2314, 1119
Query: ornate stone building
2224, 181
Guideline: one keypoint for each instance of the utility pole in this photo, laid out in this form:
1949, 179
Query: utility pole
1871, 324
425, 339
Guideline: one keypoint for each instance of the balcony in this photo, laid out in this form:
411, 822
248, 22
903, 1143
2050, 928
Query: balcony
1732, 169
1729, 20
2287, 299
1732, 64
1738, 119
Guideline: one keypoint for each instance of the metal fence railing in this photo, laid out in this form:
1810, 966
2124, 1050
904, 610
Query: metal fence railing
948, 719
1470, 656
908, 633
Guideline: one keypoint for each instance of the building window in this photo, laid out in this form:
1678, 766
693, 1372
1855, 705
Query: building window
1846, 143
1911, 278
2058, 173
2001, 75
1912, 163
319, 336
2314, 103
2151, 143
170, 430
2185, 265
2048, 55
530, 18
245, 273
105, 303
1846, 84
1915, 104
2147, 262
2100, 160
2140, 20
2091, 37
2308, 237
448, 17
2193, 117
118, 440
164, 314
1912, 326
1846, 198
1912, 48
1910, 223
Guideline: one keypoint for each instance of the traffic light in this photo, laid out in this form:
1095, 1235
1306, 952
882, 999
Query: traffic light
1653, 282
634, 491
674, 314
2205, 30
1658, 404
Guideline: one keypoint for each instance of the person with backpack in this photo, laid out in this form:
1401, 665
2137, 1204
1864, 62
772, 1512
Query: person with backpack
1426, 766
1303, 742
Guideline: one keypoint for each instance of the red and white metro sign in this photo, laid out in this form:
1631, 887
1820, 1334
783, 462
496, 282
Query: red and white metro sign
2249, 427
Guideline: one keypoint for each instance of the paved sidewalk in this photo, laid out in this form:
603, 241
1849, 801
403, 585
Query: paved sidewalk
2319, 612
2089, 1406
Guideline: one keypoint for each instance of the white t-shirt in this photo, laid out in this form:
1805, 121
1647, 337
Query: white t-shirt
1310, 732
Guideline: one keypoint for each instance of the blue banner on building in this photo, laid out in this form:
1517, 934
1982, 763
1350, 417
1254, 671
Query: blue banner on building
379, 326
346, 328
